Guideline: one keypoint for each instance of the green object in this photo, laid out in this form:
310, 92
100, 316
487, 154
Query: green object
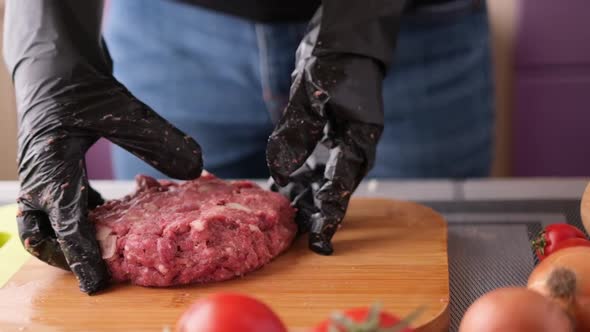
12, 253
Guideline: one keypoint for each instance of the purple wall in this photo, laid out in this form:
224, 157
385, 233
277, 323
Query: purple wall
551, 119
98, 161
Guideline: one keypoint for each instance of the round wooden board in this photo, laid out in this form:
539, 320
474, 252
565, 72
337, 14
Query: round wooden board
388, 251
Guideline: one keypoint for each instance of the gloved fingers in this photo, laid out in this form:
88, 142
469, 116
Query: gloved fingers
53, 178
301, 198
107, 109
39, 239
94, 198
331, 200
150, 137
300, 192
76, 236
36, 232
298, 132
351, 157
59, 187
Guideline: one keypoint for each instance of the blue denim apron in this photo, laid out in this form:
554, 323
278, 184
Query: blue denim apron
217, 77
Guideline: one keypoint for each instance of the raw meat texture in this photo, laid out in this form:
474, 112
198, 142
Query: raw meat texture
199, 231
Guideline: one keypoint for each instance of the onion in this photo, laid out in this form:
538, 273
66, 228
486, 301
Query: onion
565, 277
515, 310
585, 208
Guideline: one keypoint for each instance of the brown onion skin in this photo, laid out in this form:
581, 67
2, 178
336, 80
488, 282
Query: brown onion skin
585, 208
576, 259
515, 310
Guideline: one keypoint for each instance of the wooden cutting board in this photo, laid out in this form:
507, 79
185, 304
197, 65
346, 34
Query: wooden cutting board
387, 251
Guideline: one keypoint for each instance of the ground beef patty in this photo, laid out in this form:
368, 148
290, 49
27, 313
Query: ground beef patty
199, 231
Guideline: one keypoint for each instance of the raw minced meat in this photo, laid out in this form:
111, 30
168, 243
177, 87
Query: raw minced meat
204, 230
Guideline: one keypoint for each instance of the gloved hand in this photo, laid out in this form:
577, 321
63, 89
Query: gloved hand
67, 99
335, 102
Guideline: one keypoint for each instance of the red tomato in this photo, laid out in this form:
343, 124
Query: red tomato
360, 315
227, 312
546, 242
573, 242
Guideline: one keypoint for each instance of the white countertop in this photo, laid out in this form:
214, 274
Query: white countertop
414, 190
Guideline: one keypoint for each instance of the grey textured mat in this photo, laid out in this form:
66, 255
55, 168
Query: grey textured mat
489, 244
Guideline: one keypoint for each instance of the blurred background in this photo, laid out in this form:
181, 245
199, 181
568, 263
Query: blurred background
542, 88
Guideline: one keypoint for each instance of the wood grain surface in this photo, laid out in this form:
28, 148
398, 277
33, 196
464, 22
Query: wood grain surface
387, 251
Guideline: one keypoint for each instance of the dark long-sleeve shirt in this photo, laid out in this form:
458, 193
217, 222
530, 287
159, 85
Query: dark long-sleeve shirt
273, 10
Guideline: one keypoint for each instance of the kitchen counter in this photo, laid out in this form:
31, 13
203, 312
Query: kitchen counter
491, 223
413, 190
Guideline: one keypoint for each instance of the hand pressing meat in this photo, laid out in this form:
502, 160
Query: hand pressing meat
335, 102
68, 99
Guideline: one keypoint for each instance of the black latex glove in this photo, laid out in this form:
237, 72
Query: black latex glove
336, 102
67, 99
